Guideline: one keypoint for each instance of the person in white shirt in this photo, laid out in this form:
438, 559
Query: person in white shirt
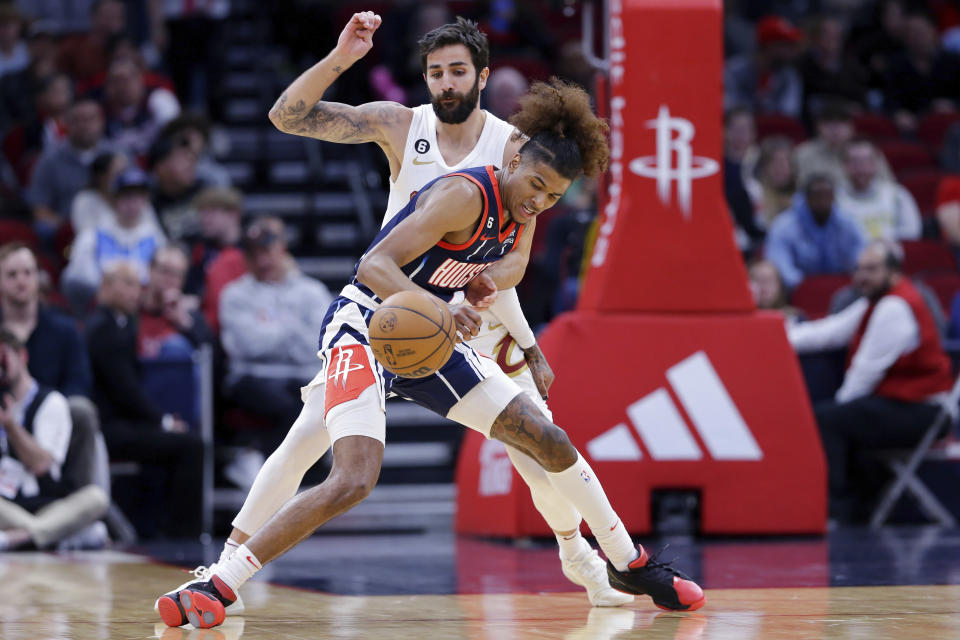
897, 371
132, 235
882, 207
37, 504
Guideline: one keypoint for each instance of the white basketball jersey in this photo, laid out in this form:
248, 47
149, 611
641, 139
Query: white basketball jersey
422, 160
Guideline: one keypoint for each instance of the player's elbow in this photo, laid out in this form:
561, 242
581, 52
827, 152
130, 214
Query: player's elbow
370, 270
277, 118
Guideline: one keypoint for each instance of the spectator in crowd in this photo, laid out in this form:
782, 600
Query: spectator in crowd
37, 502
824, 153
882, 41
170, 321
14, 54
134, 428
43, 130
950, 152
193, 131
215, 257
505, 87
882, 208
130, 237
773, 189
93, 206
135, 115
923, 77
268, 320
814, 236
769, 291
767, 81
826, 71
60, 174
897, 371
84, 54
948, 211
739, 138
191, 40
57, 359
175, 184
16, 88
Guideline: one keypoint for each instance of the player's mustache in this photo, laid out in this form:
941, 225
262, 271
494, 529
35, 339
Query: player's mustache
451, 95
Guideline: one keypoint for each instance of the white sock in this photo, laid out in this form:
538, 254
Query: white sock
579, 484
239, 568
571, 546
229, 548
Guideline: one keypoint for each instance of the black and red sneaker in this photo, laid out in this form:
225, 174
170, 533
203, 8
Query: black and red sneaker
671, 589
204, 603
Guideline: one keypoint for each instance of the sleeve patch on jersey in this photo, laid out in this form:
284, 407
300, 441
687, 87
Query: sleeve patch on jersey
349, 372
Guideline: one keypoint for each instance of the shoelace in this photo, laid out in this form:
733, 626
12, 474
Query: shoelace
201, 572
654, 563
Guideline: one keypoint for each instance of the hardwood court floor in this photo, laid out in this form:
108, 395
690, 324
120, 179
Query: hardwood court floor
109, 595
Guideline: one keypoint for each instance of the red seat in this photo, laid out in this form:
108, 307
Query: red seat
903, 155
922, 185
812, 296
16, 231
927, 256
775, 124
875, 126
933, 128
945, 284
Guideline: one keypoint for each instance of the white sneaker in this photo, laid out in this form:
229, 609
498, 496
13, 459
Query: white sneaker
590, 572
93, 536
202, 574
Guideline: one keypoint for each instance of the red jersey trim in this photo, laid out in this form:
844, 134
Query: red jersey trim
483, 216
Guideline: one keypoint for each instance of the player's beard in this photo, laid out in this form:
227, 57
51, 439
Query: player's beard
467, 103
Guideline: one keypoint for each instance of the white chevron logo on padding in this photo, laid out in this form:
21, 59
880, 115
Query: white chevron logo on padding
666, 435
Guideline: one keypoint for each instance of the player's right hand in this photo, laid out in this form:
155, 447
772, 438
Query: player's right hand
466, 320
356, 39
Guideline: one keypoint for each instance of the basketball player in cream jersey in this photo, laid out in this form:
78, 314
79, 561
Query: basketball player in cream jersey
421, 144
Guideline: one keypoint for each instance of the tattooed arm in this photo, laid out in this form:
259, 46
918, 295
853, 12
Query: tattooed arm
300, 110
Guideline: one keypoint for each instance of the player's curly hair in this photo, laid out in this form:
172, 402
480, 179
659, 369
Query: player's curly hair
563, 130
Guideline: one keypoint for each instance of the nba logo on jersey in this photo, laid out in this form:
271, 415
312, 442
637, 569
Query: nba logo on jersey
453, 274
586, 476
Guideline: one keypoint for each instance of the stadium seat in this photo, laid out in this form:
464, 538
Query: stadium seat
812, 296
927, 256
905, 463
933, 128
875, 126
771, 124
904, 156
922, 185
945, 284
16, 231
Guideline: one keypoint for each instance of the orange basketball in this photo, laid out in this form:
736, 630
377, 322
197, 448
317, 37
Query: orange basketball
412, 334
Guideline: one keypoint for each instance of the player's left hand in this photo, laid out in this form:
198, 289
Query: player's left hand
481, 291
540, 369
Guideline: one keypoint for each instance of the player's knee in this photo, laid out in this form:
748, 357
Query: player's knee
353, 487
556, 452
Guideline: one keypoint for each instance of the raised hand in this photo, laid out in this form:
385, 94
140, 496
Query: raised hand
356, 39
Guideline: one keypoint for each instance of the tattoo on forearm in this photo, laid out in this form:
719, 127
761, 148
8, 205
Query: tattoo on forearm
338, 69
329, 121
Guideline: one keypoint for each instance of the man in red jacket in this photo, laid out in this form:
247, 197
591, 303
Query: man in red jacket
897, 376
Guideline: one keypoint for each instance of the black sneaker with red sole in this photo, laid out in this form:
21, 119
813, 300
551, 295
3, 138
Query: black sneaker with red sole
203, 604
670, 588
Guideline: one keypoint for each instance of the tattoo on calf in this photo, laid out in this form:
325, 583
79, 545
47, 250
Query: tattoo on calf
523, 426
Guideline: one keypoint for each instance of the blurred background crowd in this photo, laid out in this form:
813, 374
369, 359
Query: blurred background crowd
148, 209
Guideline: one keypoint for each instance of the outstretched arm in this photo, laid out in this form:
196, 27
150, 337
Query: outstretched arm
300, 110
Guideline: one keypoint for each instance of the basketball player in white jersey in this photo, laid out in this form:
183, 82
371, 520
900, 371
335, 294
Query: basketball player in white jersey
421, 144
